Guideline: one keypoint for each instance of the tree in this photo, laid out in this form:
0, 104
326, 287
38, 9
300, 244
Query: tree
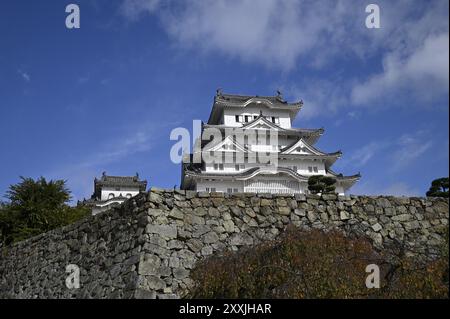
439, 188
36, 206
321, 184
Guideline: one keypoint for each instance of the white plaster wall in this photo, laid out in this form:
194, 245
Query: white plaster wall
220, 186
302, 167
106, 191
229, 115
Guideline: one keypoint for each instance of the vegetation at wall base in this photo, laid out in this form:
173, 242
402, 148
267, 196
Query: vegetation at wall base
315, 264
35, 207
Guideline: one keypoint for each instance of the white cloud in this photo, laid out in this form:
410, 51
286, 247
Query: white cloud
411, 48
410, 147
423, 73
401, 151
133, 9
363, 155
24, 75
80, 174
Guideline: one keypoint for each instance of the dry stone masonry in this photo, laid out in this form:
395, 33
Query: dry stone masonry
147, 247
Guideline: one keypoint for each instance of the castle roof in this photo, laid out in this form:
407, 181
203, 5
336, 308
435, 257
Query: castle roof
310, 135
195, 171
222, 100
118, 181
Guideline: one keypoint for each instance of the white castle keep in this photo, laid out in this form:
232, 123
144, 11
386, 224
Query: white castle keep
258, 150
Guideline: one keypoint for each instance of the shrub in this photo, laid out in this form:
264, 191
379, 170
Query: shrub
321, 184
315, 264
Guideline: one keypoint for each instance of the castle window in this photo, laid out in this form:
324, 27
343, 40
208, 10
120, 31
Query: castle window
128, 195
235, 190
221, 167
237, 118
216, 167
111, 195
294, 168
229, 190
237, 167
213, 189
247, 118
316, 169
310, 169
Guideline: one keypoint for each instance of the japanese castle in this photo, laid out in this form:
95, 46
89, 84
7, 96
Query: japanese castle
114, 190
296, 158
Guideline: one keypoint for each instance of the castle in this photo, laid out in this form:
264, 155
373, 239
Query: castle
114, 190
249, 127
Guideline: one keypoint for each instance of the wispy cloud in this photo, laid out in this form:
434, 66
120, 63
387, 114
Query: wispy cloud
24, 75
411, 48
423, 73
363, 155
134, 9
81, 173
409, 147
401, 151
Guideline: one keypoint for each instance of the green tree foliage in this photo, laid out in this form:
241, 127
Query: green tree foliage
315, 264
34, 207
439, 188
321, 184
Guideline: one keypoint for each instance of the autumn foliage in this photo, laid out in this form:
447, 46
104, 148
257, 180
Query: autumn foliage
315, 264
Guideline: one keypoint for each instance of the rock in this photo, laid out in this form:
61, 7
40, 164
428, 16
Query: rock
312, 216
194, 220
180, 273
284, 210
155, 283
300, 212
241, 239
344, 215
211, 238
376, 227
265, 202
176, 213
250, 212
165, 231
401, 217
229, 226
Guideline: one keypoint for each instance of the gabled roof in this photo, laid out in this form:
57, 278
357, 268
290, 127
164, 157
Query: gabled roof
228, 141
312, 135
261, 123
222, 100
311, 150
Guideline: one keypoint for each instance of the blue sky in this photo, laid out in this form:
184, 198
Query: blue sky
74, 103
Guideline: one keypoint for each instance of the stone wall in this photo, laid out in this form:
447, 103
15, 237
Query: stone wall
147, 247
105, 247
